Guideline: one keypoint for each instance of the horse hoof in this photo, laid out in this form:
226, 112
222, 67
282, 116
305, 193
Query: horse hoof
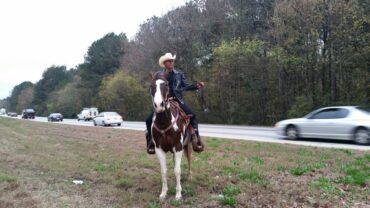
162, 197
178, 197
150, 151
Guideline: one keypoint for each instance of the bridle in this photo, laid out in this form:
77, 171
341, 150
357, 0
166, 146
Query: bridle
166, 102
163, 131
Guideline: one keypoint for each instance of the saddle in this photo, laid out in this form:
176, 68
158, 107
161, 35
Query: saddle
195, 140
183, 116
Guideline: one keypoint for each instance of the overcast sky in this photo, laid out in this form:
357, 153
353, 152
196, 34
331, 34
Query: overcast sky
39, 33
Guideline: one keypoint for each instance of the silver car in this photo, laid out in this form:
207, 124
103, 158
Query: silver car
342, 123
107, 119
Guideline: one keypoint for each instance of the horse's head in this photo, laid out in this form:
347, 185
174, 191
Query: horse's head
159, 91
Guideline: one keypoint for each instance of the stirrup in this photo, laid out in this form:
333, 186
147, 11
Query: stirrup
197, 143
150, 145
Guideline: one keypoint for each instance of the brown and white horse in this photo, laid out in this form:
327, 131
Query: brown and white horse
169, 132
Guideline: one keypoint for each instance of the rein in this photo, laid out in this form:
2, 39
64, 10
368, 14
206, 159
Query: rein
201, 100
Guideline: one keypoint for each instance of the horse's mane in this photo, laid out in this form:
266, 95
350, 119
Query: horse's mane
160, 75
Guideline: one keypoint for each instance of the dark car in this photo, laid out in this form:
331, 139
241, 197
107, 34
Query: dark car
12, 114
28, 114
55, 117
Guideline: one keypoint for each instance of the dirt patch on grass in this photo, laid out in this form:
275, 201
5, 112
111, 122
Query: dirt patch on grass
39, 161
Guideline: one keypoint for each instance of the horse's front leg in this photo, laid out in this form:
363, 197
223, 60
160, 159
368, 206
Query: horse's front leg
178, 156
162, 161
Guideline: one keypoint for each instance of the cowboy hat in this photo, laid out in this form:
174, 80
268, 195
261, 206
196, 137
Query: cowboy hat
166, 57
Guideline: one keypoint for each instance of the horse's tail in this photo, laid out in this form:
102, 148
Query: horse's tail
188, 152
188, 149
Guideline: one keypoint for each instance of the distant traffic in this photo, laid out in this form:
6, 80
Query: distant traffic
338, 123
86, 114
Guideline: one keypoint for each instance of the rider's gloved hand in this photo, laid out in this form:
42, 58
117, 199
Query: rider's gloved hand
200, 85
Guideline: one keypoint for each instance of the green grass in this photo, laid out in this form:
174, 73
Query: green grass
154, 205
235, 169
281, 168
228, 200
231, 190
125, 182
325, 184
230, 170
188, 191
7, 178
357, 172
205, 156
213, 142
302, 169
347, 152
304, 152
252, 176
171, 191
176, 203
100, 167
228, 195
229, 148
258, 146
256, 160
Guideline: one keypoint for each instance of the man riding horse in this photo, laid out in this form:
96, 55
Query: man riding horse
177, 84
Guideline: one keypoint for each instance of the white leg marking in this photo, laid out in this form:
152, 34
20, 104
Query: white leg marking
182, 139
178, 156
162, 161
151, 129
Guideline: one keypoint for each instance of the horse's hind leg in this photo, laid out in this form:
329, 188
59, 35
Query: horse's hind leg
178, 156
188, 154
162, 161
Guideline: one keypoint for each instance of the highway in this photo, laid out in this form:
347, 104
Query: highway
251, 133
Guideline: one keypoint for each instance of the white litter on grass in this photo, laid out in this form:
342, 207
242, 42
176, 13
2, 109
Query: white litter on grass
78, 182
218, 197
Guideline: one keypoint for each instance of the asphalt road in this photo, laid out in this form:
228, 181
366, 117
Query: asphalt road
261, 134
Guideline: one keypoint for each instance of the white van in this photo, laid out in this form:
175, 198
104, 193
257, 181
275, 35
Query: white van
2, 111
88, 114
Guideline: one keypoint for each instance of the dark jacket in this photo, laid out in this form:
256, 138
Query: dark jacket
180, 84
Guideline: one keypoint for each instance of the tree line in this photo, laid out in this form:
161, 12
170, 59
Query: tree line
261, 60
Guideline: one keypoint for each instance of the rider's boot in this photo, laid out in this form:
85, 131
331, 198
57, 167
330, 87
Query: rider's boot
149, 144
196, 141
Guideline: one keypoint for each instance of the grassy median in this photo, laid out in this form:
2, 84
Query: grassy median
39, 161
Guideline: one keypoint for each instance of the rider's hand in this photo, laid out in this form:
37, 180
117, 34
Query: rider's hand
200, 85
